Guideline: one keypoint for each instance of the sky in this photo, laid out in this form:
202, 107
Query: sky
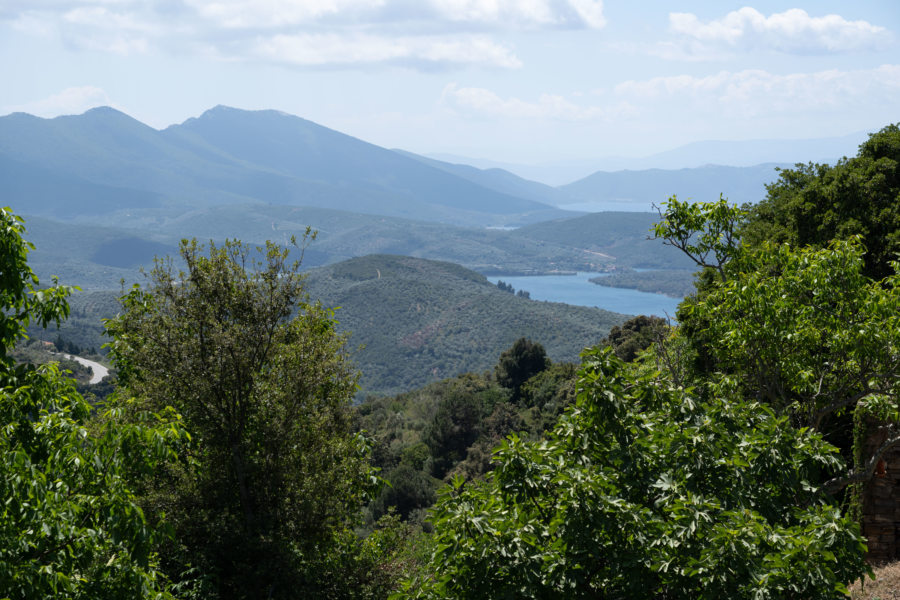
524, 81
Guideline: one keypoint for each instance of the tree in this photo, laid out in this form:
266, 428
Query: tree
264, 386
455, 426
70, 526
814, 204
523, 360
804, 330
645, 490
635, 335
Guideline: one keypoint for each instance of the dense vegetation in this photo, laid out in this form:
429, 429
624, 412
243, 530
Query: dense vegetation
71, 524
274, 471
708, 460
94, 256
421, 321
677, 284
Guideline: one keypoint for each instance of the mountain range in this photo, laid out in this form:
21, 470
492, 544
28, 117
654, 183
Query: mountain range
103, 160
735, 153
104, 166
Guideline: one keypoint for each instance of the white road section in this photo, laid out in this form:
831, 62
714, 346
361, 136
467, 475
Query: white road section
99, 370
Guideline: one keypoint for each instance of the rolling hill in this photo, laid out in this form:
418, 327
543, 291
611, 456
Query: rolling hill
412, 321
98, 257
421, 321
622, 236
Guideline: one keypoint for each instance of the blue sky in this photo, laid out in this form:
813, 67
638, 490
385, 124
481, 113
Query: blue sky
517, 81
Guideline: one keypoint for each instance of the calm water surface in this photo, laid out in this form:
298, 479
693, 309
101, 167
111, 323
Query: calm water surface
577, 290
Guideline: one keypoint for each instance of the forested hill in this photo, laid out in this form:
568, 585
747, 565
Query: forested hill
417, 320
421, 320
624, 236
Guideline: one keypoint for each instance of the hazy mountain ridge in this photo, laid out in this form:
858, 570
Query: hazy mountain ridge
736, 153
233, 156
653, 186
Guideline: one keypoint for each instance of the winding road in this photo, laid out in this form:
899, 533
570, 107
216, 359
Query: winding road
99, 371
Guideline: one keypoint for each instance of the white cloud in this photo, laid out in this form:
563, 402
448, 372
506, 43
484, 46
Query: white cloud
522, 13
753, 92
331, 49
434, 14
740, 97
480, 102
70, 101
263, 14
418, 33
590, 11
792, 31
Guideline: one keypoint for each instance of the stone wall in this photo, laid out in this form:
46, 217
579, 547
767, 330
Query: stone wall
881, 504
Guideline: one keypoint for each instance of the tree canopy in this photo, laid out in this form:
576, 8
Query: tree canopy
264, 385
647, 490
70, 523
519, 363
813, 204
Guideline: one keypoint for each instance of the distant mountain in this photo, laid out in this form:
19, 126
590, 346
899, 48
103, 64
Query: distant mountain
421, 321
498, 179
639, 190
553, 173
733, 153
104, 160
745, 153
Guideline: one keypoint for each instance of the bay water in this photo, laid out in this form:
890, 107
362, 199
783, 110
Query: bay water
577, 290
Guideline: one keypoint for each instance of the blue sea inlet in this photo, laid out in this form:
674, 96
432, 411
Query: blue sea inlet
577, 290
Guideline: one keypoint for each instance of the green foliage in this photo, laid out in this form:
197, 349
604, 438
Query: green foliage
70, 526
519, 363
422, 321
450, 428
805, 330
647, 490
676, 283
706, 232
367, 569
407, 488
635, 336
265, 390
814, 204
550, 390
454, 428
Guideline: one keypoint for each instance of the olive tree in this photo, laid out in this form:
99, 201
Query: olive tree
262, 381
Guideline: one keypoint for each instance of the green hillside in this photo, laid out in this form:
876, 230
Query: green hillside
621, 236
421, 321
99, 256
412, 321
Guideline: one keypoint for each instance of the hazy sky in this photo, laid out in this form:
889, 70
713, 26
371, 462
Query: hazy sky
512, 80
